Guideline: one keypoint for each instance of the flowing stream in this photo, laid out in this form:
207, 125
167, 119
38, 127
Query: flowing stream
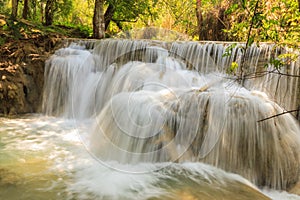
137, 119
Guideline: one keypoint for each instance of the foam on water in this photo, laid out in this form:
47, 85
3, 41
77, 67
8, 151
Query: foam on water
172, 102
62, 168
280, 195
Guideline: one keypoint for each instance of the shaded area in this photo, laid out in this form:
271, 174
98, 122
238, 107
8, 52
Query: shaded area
24, 48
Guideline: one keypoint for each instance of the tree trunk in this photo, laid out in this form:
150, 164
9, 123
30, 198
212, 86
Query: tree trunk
14, 8
42, 11
34, 4
109, 14
299, 5
49, 12
199, 18
25, 9
220, 36
98, 20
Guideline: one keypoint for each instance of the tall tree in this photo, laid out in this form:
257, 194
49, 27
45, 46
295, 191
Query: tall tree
57, 9
14, 7
49, 12
42, 11
199, 18
98, 20
25, 9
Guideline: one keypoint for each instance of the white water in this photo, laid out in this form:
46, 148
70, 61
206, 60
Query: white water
45, 158
155, 110
147, 122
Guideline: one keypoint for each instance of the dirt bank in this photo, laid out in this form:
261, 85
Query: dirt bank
22, 58
21, 73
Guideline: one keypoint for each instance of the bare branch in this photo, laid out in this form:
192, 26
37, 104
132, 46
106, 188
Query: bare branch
284, 74
283, 113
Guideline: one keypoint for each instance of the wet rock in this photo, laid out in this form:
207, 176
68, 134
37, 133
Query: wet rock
295, 189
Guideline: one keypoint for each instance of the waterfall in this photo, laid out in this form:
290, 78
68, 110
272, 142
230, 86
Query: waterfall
155, 101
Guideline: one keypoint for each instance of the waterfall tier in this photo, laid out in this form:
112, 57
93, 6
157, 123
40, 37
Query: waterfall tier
156, 101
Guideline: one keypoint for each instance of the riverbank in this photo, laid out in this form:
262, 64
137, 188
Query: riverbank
24, 48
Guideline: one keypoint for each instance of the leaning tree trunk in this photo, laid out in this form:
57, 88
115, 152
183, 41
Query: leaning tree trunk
109, 14
98, 20
199, 18
14, 8
25, 9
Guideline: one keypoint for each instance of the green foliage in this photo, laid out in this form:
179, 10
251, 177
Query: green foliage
81, 13
233, 68
179, 16
233, 8
57, 9
228, 50
128, 12
4, 6
273, 20
276, 21
74, 30
64, 8
283, 60
16, 28
2, 41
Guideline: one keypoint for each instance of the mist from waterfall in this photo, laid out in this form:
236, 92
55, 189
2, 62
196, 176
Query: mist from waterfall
164, 102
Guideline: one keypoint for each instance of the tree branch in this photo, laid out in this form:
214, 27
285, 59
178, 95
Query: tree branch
263, 73
108, 15
242, 73
273, 116
124, 20
284, 74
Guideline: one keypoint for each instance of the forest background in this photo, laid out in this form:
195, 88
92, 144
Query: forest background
276, 21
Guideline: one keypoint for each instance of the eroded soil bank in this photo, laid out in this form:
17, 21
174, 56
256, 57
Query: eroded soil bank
21, 72
24, 48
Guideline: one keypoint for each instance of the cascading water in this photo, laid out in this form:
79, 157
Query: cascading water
156, 102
